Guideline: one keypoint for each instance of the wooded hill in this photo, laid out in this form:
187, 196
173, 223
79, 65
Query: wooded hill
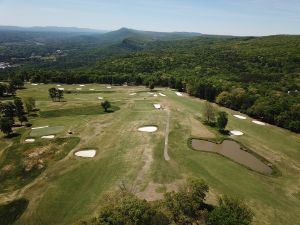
259, 76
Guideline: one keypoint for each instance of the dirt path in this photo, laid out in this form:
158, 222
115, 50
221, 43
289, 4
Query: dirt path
166, 155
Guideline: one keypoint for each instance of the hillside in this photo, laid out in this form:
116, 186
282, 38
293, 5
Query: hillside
255, 75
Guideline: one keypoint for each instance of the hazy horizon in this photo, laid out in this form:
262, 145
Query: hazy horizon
222, 17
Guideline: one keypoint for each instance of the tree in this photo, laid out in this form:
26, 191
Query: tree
56, 94
52, 93
151, 86
6, 125
222, 120
3, 89
8, 110
209, 113
106, 105
59, 94
22, 119
125, 209
230, 211
16, 82
19, 106
29, 104
187, 206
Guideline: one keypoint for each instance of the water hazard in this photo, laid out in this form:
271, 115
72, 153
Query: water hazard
232, 150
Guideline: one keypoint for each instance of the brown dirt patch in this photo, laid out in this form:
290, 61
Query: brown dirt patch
199, 130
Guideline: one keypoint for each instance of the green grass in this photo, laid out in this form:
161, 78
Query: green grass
72, 188
10, 212
89, 110
46, 131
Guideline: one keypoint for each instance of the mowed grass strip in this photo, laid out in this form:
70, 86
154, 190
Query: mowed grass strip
21, 164
78, 111
87, 92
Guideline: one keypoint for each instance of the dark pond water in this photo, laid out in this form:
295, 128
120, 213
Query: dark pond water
232, 150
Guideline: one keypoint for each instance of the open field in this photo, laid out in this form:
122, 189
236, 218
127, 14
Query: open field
71, 188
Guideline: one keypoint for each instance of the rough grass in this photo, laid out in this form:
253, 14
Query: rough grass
20, 165
11, 212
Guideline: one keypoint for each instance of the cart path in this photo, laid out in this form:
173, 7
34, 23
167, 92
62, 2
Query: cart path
166, 155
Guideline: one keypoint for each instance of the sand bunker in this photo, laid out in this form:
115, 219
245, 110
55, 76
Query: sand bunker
48, 137
162, 95
236, 133
36, 128
149, 129
155, 95
132, 94
86, 153
258, 122
179, 94
30, 140
100, 98
61, 89
150, 93
34, 84
81, 85
109, 87
58, 85
78, 89
157, 106
92, 89
240, 117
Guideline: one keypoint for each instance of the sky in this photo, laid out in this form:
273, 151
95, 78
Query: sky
227, 17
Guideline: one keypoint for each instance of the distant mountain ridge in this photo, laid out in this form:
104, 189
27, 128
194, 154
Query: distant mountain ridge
51, 29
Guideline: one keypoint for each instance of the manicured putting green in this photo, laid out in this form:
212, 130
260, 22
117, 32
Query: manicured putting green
47, 131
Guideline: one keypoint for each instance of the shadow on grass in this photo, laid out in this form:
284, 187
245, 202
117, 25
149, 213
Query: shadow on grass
13, 135
12, 211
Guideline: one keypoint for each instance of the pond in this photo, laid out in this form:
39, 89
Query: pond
232, 150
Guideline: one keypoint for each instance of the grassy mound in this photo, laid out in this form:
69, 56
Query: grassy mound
21, 164
11, 212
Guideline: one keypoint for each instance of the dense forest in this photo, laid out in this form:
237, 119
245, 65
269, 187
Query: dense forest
259, 76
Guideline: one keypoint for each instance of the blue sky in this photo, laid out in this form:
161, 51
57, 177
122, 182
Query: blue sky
236, 17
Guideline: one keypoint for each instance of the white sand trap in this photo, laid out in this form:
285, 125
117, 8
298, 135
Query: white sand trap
132, 94
30, 140
162, 95
48, 137
82, 85
149, 129
155, 95
100, 98
109, 87
58, 85
92, 89
150, 93
36, 128
61, 89
240, 117
78, 89
236, 133
258, 122
86, 153
179, 94
157, 106
34, 84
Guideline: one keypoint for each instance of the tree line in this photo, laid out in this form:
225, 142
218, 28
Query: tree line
187, 206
